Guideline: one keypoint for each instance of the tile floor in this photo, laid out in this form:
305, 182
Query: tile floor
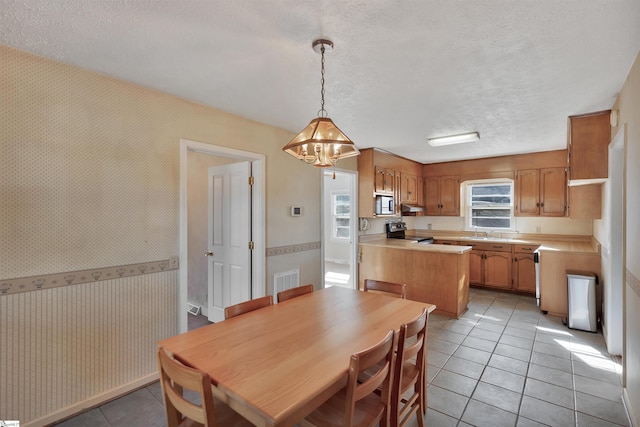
502, 364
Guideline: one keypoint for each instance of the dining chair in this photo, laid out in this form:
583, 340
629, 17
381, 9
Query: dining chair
357, 404
294, 292
386, 287
409, 390
174, 378
247, 306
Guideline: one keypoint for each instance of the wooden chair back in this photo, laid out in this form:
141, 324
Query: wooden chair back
294, 292
399, 289
247, 306
410, 372
358, 402
174, 376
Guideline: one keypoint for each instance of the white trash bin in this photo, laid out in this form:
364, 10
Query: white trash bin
582, 301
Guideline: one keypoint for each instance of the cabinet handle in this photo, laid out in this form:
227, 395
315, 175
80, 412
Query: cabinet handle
542, 205
497, 247
527, 249
537, 205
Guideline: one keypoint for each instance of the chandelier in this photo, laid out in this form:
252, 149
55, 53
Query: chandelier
321, 143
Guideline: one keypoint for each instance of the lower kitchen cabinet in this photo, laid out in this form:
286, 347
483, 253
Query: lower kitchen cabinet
524, 268
491, 268
497, 269
524, 273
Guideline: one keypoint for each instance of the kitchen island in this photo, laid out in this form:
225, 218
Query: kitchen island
434, 274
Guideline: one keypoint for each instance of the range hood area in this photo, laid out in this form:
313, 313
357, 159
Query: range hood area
406, 208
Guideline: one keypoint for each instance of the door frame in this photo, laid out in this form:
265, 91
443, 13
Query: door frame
258, 220
353, 223
615, 296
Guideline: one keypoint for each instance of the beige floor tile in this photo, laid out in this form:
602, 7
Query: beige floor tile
549, 393
546, 413
480, 414
503, 379
497, 396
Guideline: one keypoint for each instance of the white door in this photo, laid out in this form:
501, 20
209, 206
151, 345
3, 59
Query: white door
229, 234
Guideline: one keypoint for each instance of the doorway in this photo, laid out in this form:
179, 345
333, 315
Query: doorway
258, 222
339, 228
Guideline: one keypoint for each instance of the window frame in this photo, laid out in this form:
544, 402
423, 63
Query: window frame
335, 216
468, 220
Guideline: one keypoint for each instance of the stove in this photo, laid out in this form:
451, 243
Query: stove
396, 230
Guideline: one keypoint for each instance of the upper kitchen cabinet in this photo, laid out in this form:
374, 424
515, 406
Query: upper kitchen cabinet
384, 180
541, 192
382, 173
588, 141
442, 195
409, 188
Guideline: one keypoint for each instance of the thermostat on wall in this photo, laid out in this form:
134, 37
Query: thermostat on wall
296, 210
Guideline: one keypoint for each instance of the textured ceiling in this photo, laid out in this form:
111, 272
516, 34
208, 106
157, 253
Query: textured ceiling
401, 70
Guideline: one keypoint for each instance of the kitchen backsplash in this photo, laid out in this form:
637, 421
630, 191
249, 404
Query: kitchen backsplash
526, 225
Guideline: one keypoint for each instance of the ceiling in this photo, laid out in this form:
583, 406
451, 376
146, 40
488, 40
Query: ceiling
401, 70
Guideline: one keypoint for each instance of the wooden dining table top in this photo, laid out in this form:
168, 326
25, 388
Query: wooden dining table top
277, 364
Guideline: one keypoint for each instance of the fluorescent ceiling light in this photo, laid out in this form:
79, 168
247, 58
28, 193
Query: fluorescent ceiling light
454, 139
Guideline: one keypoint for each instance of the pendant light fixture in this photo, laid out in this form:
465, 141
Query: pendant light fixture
321, 143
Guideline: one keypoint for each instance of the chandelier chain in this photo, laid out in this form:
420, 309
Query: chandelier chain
322, 112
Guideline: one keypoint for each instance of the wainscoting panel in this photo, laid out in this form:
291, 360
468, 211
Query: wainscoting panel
62, 346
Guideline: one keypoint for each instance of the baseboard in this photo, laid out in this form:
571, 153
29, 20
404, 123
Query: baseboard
92, 402
633, 421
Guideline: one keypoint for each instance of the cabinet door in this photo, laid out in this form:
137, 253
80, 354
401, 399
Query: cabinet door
409, 188
389, 181
497, 269
450, 195
527, 192
475, 267
432, 195
589, 138
397, 195
380, 177
553, 190
420, 200
524, 271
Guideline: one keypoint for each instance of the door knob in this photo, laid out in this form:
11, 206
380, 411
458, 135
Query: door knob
208, 253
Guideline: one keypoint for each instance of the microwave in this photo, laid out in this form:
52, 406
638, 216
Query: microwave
384, 205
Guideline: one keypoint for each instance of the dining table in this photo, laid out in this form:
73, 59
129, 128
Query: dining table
275, 365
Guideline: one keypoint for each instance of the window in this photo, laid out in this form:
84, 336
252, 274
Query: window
490, 205
341, 216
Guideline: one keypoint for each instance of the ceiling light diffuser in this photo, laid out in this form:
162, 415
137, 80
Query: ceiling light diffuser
454, 139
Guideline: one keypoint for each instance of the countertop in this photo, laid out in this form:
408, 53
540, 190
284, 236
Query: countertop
550, 243
414, 246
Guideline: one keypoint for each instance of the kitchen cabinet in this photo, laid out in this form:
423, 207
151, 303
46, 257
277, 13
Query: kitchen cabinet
553, 278
588, 141
442, 195
435, 275
541, 192
524, 269
409, 188
490, 265
384, 181
380, 173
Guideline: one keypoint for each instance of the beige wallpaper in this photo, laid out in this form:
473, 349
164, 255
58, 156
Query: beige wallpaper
89, 169
89, 181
